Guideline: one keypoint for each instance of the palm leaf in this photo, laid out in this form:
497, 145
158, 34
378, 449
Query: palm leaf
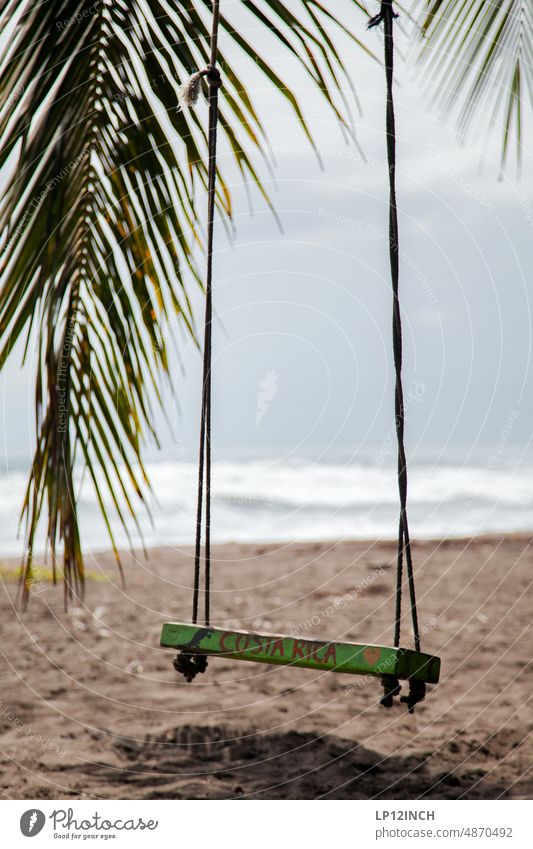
99, 220
480, 55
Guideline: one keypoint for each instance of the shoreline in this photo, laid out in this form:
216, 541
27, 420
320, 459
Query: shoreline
137, 553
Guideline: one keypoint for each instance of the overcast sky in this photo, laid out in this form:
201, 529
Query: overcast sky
303, 316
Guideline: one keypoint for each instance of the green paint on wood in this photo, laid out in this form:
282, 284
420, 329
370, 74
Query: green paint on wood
352, 658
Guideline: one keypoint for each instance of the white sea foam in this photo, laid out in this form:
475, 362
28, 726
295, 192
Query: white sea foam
300, 500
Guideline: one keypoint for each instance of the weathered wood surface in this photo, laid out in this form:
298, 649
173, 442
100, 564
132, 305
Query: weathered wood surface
352, 658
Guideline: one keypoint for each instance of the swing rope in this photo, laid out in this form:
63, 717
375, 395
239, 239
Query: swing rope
391, 685
204, 465
190, 664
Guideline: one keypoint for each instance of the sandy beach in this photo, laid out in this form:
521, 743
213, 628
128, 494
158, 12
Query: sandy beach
91, 707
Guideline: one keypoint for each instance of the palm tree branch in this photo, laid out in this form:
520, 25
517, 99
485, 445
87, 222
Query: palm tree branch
100, 222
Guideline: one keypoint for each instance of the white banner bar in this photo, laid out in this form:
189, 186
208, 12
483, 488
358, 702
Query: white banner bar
307, 824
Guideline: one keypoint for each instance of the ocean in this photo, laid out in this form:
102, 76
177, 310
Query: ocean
271, 499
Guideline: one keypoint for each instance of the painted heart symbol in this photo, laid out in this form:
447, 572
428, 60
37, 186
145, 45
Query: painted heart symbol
372, 654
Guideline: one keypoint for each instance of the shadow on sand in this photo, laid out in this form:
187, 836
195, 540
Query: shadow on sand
195, 762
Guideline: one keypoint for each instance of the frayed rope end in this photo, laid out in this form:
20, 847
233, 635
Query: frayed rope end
189, 91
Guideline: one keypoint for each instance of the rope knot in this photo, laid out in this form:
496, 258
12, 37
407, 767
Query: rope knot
391, 687
417, 693
213, 76
189, 665
380, 17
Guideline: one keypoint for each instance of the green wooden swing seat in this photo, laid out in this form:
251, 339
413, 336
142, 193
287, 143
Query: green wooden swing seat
353, 658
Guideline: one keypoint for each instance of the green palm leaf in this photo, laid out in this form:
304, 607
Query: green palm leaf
99, 220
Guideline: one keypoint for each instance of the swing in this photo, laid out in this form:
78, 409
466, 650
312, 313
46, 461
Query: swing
194, 642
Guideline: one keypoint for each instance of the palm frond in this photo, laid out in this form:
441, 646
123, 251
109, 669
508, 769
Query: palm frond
480, 54
99, 219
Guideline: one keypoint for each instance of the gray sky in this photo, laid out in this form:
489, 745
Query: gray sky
309, 310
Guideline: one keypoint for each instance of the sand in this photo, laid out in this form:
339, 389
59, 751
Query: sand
91, 707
